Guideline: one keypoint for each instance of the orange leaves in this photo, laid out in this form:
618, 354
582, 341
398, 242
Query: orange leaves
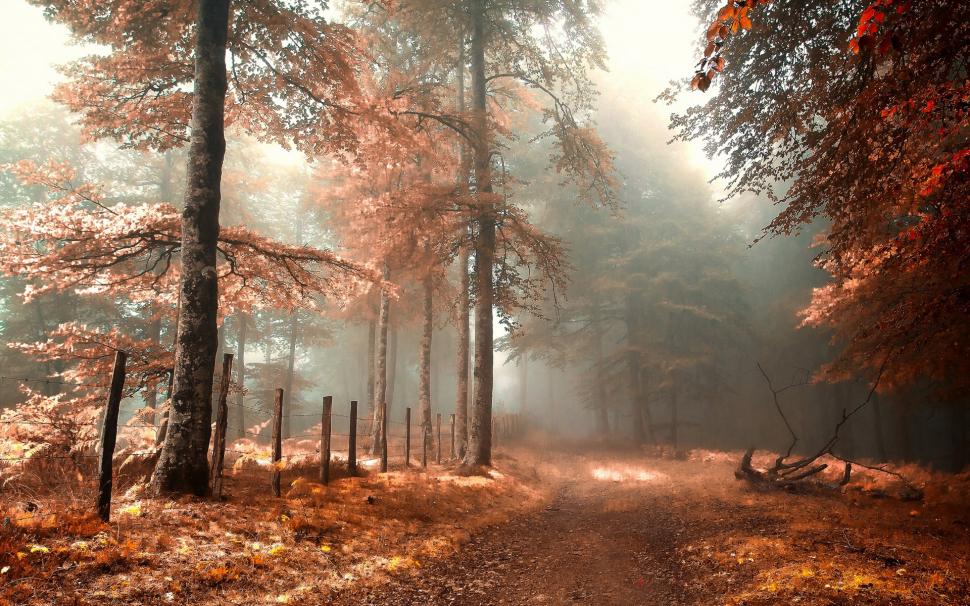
732, 18
872, 21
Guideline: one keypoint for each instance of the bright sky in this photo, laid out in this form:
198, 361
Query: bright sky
30, 48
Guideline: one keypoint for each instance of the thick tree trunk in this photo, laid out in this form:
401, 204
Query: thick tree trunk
183, 466
479, 450
290, 365
380, 374
243, 329
424, 364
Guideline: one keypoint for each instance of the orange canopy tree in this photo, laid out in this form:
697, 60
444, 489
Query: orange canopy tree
860, 110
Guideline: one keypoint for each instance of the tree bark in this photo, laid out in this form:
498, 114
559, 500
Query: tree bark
479, 451
380, 374
182, 465
424, 362
243, 329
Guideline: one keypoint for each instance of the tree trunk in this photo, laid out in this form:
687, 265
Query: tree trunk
241, 372
290, 365
479, 450
424, 363
371, 362
380, 374
182, 465
523, 381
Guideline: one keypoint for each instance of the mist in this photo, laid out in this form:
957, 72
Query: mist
478, 302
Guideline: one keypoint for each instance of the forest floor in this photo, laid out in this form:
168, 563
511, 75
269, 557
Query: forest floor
607, 527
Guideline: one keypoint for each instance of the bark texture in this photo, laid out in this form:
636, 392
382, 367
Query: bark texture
424, 362
182, 465
380, 373
479, 450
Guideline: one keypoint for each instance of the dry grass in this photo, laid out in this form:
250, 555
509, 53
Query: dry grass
251, 548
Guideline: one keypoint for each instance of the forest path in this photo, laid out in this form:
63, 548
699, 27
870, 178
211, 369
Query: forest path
610, 536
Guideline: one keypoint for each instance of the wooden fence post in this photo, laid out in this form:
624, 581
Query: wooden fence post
453, 455
438, 430
277, 440
352, 441
109, 435
325, 426
222, 424
407, 436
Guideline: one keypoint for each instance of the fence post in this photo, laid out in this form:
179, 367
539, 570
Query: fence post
109, 435
438, 430
407, 437
352, 441
453, 456
222, 423
277, 440
325, 426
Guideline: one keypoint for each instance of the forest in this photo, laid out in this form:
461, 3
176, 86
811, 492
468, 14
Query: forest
474, 302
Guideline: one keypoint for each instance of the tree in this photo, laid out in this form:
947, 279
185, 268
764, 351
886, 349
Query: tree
544, 46
183, 464
292, 82
867, 121
84, 243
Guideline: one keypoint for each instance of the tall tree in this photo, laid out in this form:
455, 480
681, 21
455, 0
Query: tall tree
868, 124
183, 463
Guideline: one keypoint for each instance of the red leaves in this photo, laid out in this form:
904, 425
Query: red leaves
732, 17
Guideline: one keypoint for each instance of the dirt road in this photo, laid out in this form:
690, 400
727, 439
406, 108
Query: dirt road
611, 536
677, 533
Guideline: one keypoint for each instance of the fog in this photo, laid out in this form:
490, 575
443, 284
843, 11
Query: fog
711, 303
